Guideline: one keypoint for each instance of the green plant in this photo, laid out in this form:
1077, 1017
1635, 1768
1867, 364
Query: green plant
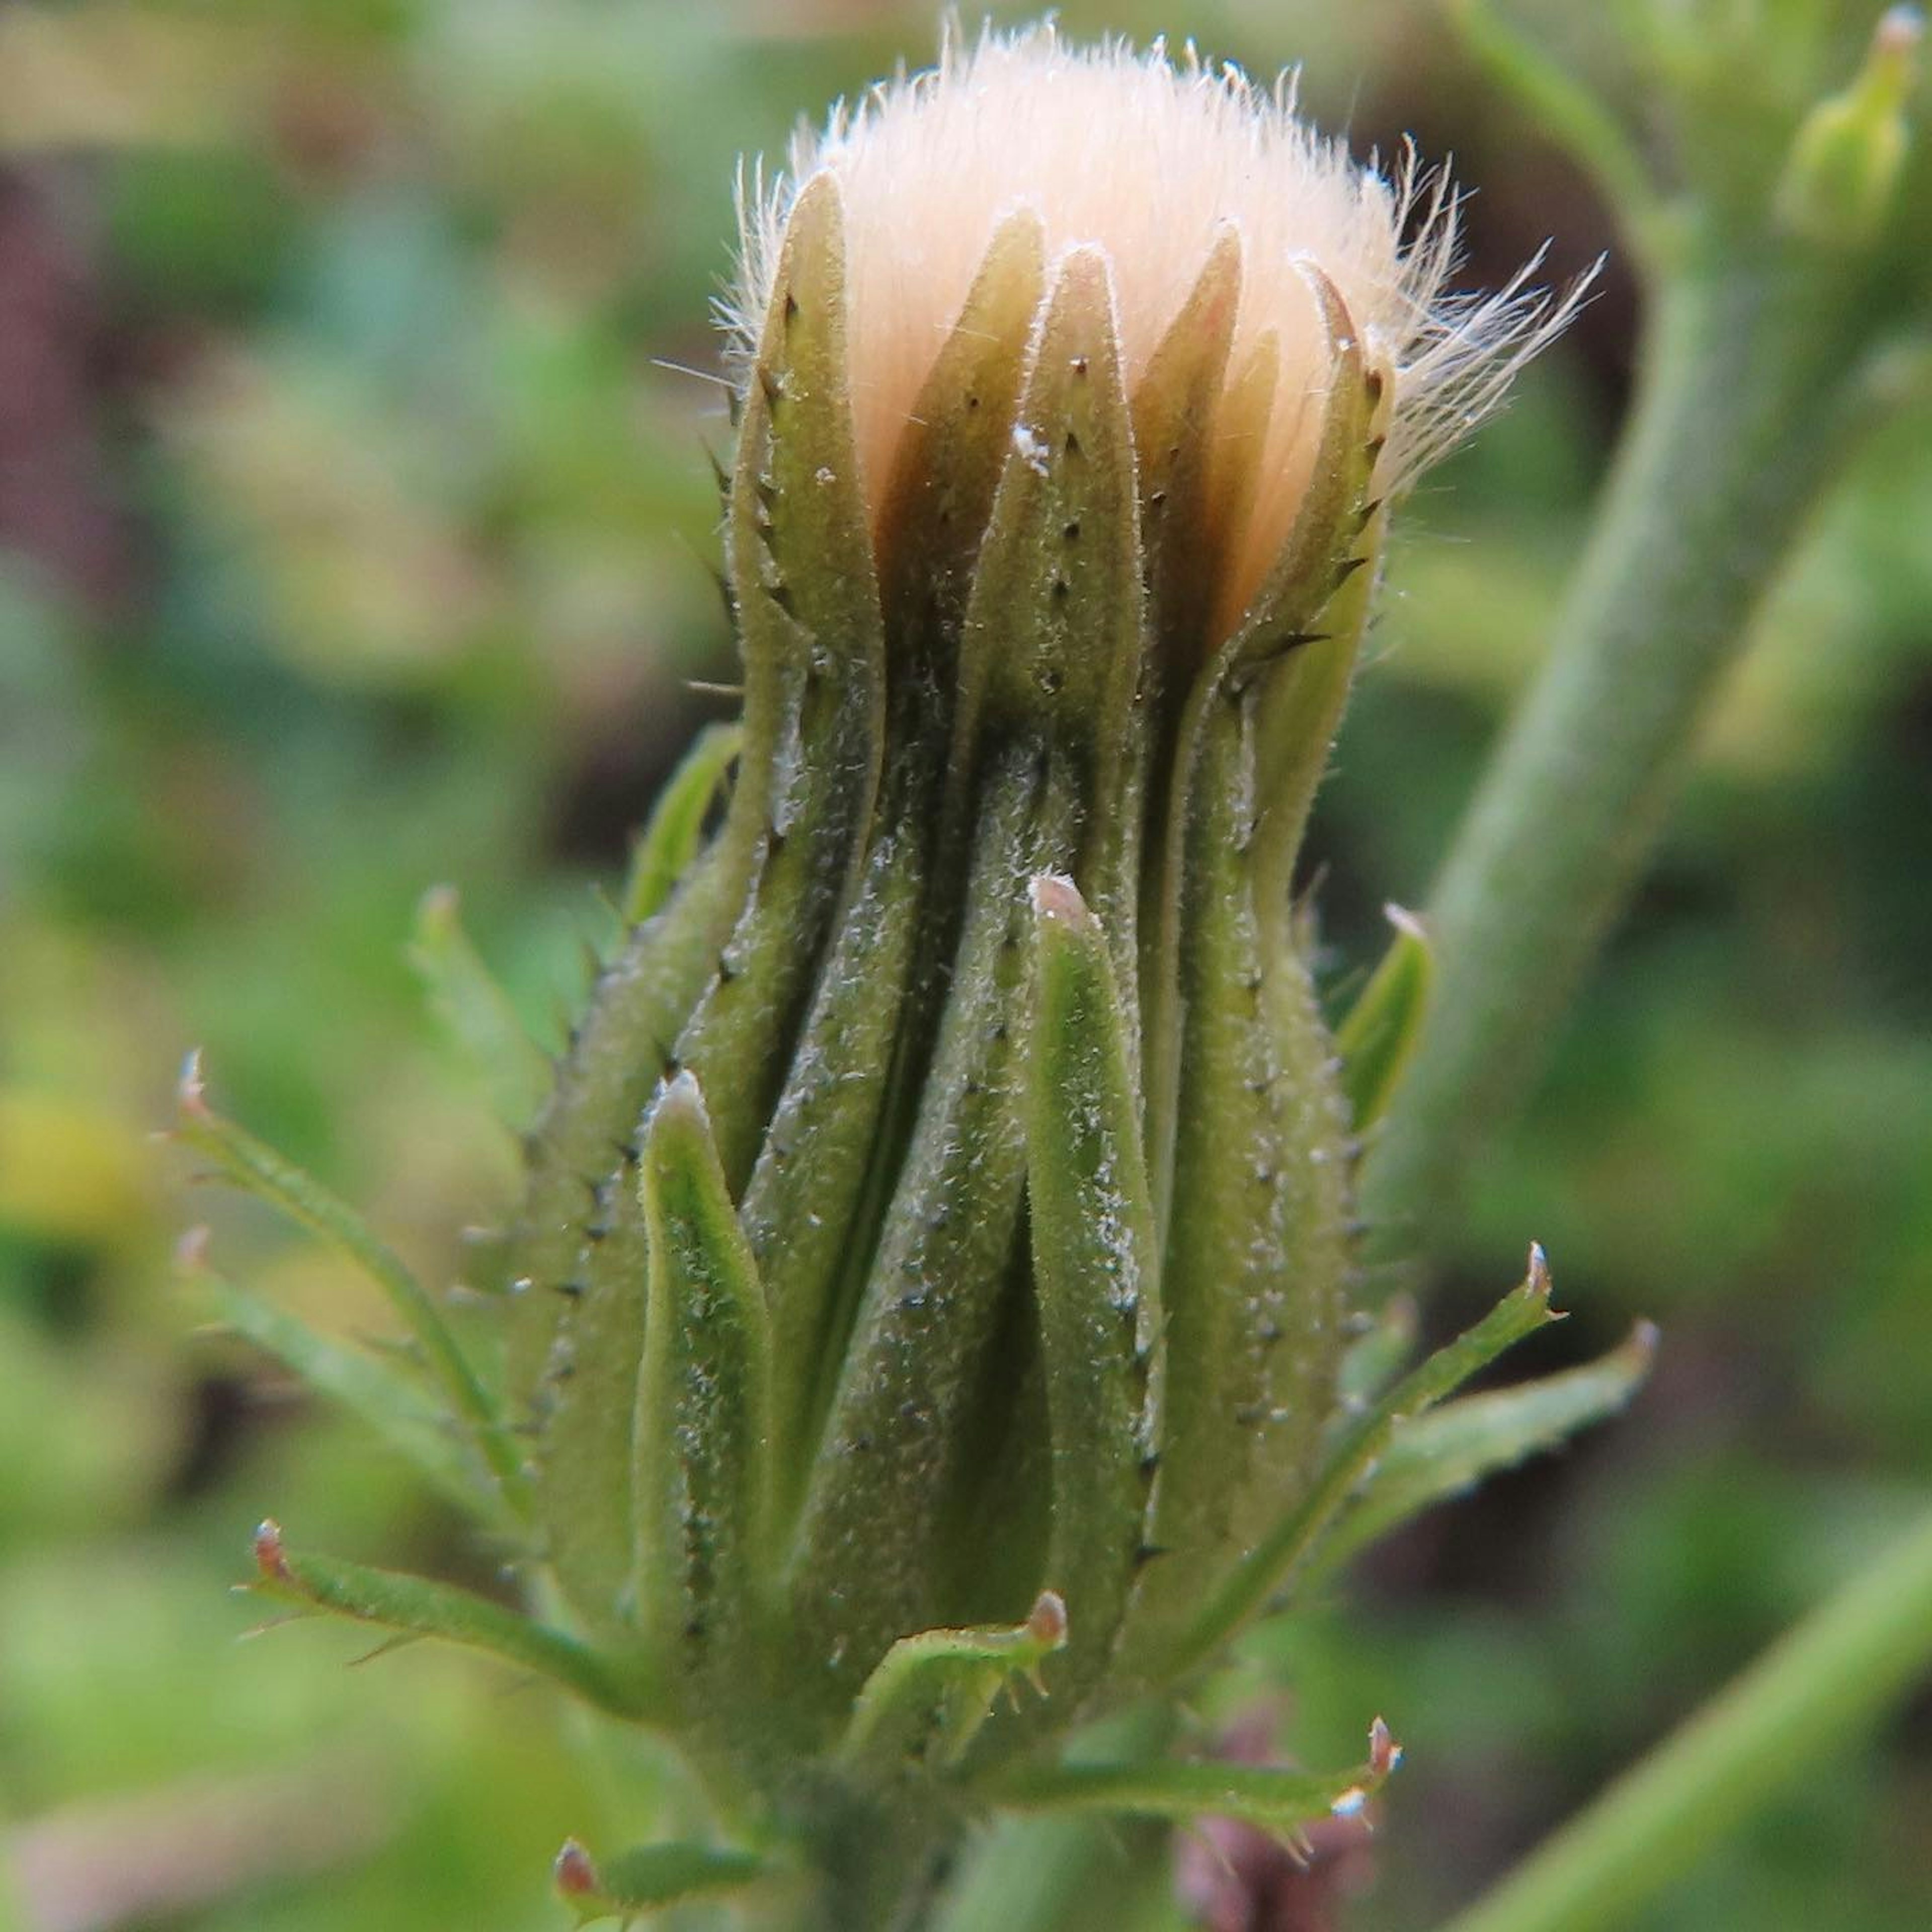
934, 1270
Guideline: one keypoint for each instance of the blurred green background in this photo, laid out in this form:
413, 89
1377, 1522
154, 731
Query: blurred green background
355, 532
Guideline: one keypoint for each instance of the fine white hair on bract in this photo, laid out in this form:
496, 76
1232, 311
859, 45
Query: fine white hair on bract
1149, 158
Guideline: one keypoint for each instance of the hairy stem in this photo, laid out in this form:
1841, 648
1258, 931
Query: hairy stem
1817, 1687
1751, 383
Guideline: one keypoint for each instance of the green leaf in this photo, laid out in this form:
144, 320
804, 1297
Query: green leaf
806, 595
261, 1171
951, 455
390, 1404
1376, 1041
702, 1490
912, 1374
1184, 539
618, 1054
416, 1607
1096, 1273
1246, 1127
1272, 1567
1297, 642
1273, 1801
650, 1878
586, 1416
932, 1693
1452, 1448
1373, 1359
816, 1173
1259, 1250
1051, 648
670, 840
476, 1011
714, 980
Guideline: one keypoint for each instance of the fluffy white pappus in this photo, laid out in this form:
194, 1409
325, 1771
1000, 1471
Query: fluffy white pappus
1148, 158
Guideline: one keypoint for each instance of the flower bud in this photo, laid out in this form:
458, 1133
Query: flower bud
931, 1277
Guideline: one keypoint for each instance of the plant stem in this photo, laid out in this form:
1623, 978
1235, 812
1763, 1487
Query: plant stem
1817, 1686
1751, 375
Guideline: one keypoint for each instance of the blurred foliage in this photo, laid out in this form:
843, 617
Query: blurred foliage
356, 530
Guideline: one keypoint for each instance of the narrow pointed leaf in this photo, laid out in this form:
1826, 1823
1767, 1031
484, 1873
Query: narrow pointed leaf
806, 593
585, 1412
1179, 391
390, 1404
1273, 1565
932, 1693
804, 1204
728, 953
1095, 1274
1452, 1448
703, 1484
475, 1010
260, 1170
651, 1879
1257, 1231
928, 1313
1053, 628
670, 840
416, 1607
1272, 1801
952, 454
618, 1054
1376, 1041
1317, 606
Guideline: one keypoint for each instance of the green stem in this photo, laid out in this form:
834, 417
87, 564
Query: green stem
1751, 378
1815, 1688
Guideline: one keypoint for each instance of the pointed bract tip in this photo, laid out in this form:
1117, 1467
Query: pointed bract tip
1645, 1339
191, 1093
1047, 1622
573, 1874
1056, 897
270, 1558
1385, 1753
1408, 923
683, 1099
191, 1251
1539, 1281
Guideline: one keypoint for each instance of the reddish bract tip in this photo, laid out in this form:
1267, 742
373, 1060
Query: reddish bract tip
1047, 1624
1056, 896
269, 1556
1385, 1753
575, 1874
